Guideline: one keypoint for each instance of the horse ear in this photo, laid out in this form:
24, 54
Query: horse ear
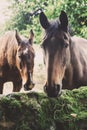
31, 37
17, 37
44, 21
63, 20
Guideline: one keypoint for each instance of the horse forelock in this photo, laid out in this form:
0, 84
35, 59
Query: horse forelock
52, 30
31, 49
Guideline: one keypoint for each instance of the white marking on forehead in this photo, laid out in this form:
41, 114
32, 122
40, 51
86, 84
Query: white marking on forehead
53, 38
25, 51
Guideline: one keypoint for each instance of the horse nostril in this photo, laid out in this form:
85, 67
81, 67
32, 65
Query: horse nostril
33, 84
57, 87
29, 86
45, 89
53, 91
25, 87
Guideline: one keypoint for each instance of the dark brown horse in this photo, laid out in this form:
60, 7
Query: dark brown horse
65, 57
16, 60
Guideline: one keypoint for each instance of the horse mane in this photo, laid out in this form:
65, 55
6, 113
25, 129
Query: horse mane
54, 27
8, 47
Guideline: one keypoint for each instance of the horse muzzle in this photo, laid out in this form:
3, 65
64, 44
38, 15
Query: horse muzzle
28, 87
53, 91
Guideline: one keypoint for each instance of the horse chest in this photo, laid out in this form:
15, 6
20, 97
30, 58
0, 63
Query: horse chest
9, 74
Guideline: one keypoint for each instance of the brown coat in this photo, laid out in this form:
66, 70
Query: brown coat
10, 45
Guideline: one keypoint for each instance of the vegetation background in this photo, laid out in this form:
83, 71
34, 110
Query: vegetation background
25, 15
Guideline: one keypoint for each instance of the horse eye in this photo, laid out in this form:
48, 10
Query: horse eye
65, 37
19, 56
66, 45
20, 65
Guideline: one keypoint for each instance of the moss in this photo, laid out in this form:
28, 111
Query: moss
23, 125
80, 93
45, 116
11, 108
34, 111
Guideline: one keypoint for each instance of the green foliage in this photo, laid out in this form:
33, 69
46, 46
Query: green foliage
77, 12
23, 18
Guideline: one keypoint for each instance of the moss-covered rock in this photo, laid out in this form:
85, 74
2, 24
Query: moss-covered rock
36, 111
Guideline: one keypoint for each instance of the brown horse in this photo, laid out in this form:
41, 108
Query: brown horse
65, 57
16, 60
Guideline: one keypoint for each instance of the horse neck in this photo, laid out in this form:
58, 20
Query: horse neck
11, 50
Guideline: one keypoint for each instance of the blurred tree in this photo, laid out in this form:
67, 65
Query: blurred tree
26, 12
